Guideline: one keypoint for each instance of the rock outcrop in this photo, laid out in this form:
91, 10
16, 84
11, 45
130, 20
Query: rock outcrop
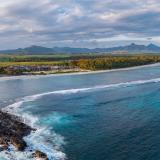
12, 131
41, 155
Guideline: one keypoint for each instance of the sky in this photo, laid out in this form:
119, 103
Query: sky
78, 23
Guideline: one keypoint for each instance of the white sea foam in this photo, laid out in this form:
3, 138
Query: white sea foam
42, 139
77, 90
98, 87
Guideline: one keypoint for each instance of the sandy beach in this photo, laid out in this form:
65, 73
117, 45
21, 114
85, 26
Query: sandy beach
5, 78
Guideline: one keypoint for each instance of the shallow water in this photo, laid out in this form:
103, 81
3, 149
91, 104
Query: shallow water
104, 116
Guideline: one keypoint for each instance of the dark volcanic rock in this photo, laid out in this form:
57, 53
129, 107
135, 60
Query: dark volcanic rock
3, 143
12, 131
41, 155
20, 144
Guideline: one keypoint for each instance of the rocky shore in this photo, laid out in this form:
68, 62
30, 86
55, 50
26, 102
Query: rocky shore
12, 131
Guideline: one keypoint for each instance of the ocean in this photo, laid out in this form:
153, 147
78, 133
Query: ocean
102, 116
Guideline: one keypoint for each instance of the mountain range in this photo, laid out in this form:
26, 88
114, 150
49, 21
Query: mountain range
132, 48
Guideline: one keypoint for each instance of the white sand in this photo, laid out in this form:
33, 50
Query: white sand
5, 78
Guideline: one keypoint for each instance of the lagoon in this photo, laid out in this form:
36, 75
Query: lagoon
102, 116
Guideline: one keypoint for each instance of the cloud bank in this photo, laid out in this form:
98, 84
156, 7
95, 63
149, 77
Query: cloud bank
78, 23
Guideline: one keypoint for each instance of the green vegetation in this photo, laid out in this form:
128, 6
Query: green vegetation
42, 58
47, 64
112, 62
54, 63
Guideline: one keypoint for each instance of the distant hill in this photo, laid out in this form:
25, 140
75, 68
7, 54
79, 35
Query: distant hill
132, 48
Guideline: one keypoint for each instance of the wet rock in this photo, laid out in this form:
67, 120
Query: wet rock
3, 143
12, 131
4, 147
40, 155
19, 144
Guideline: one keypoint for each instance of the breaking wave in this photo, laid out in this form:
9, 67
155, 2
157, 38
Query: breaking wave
51, 143
77, 90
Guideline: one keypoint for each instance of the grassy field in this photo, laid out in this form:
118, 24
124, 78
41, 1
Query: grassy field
39, 58
54, 57
6, 64
82, 62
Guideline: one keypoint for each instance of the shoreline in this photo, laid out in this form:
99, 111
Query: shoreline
11, 121
13, 77
12, 132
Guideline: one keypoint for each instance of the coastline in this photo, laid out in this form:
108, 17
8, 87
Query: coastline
12, 133
6, 77
17, 120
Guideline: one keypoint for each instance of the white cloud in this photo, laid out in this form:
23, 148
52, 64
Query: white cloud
55, 22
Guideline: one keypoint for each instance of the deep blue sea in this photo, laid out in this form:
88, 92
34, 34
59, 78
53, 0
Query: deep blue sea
102, 116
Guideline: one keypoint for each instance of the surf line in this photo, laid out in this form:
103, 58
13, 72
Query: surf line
78, 90
13, 109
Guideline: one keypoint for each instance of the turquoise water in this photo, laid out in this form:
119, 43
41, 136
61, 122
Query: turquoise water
104, 116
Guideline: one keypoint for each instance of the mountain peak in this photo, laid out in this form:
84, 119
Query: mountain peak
132, 48
133, 44
152, 46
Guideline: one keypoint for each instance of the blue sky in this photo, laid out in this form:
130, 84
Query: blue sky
78, 23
